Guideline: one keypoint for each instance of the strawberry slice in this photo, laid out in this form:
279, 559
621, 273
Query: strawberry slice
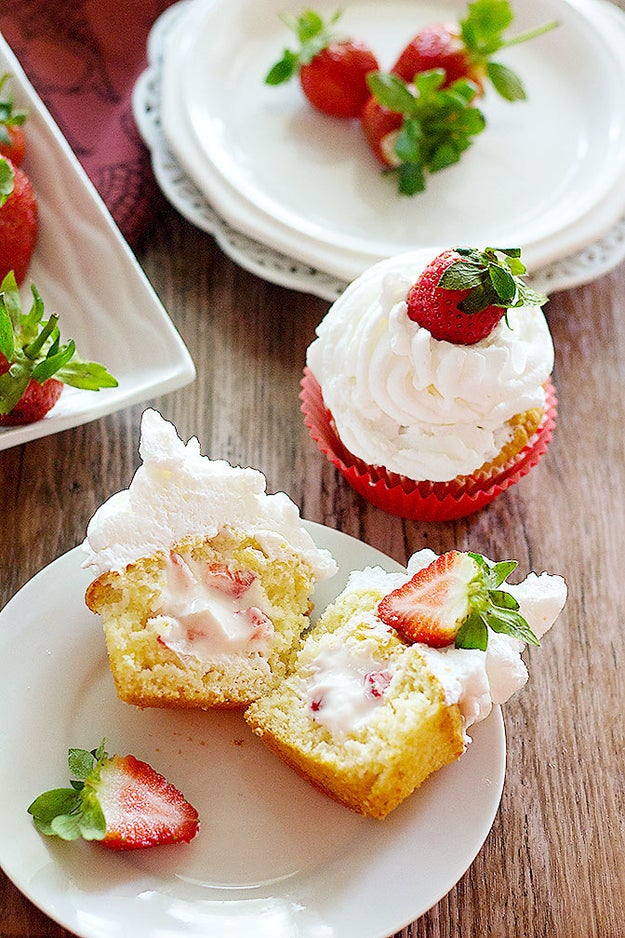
12, 140
332, 72
463, 293
456, 600
465, 50
34, 365
117, 800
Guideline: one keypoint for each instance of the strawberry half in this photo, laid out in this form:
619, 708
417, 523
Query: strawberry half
34, 365
117, 800
464, 292
465, 50
419, 128
456, 600
19, 220
332, 72
12, 140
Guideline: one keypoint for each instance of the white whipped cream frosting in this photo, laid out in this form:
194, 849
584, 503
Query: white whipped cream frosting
473, 679
421, 407
177, 493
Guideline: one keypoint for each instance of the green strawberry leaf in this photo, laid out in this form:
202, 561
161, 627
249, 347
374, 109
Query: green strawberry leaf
13, 383
92, 823
66, 826
89, 376
510, 622
504, 284
473, 634
7, 339
7, 177
407, 146
80, 763
498, 611
57, 358
73, 812
313, 34
411, 179
391, 92
506, 82
284, 69
57, 801
438, 122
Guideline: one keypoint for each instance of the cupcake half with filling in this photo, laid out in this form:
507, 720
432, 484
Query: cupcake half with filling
428, 384
202, 579
398, 669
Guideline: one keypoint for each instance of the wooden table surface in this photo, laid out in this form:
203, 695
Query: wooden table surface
554, 862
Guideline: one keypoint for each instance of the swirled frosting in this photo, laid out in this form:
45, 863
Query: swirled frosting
421, 407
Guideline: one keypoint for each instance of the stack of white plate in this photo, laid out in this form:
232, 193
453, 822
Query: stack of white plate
298, 196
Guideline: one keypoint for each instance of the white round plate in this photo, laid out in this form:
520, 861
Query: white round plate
306, 184
274, 857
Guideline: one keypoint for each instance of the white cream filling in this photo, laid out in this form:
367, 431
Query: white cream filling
210, 616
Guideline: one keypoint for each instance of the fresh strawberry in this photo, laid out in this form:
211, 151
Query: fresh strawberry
12, 140
34, 403
381, 128
456, 600
118, 800
31, 354
18, 220
414, 129
332, 71
439, 45
463, 293
464, 50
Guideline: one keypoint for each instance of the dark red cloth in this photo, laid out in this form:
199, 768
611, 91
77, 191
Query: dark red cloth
83, 58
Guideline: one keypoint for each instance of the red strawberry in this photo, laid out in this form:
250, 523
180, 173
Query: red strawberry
34, 403
119, 800
31, 354
463, 293
439, 46
18, 220
465, 50
332, 72
419, 128
381, 127
12, 140
431, 607
455, 600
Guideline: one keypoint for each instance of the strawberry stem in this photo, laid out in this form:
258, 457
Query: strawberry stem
530, 34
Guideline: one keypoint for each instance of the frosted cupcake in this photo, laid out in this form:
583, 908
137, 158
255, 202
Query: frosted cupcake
203, 580
428, 384
387, 685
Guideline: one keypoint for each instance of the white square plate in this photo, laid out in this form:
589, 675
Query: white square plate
87, 274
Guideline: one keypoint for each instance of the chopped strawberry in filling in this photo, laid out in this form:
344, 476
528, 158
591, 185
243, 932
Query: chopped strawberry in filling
211, 610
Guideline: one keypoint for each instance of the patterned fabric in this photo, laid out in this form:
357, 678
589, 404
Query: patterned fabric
83, 57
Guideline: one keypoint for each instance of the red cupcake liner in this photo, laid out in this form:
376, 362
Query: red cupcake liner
421, 501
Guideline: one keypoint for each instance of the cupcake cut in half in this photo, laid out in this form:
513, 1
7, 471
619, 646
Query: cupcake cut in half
428, 384
397, 670
203, 580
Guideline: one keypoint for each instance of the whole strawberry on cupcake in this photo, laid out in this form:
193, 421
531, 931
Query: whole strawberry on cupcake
428, 384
